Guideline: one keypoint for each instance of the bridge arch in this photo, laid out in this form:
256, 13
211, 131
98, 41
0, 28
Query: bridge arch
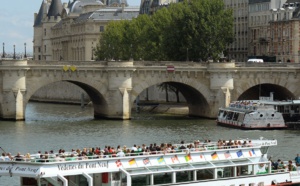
253, 88
94, 89
196, 93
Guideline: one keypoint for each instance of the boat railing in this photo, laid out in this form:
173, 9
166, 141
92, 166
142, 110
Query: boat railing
70, 156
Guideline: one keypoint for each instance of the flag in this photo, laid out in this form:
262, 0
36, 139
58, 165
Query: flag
239, 153
188, 158
131, 162
214, 155
118, 163
160, 160
146, 161
201, 156
174, 159
251, 152
227, 154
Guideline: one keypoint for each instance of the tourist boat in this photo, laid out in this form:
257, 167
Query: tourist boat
250, 115
290, 109
204, 164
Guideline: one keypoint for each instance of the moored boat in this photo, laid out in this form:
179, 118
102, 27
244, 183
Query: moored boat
250, 115
193, 164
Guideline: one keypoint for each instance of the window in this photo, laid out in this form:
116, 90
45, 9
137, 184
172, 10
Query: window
101, 28
39, 49
45, 48
45, 31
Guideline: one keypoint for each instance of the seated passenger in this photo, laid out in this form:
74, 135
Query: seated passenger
2, 158
281, 165
297, 160
291, 167
18, 157
120, 153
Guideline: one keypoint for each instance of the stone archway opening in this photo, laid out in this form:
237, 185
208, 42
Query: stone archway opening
173, 98
279, 92
75, 93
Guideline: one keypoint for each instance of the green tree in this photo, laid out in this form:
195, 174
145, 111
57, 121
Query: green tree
199, 29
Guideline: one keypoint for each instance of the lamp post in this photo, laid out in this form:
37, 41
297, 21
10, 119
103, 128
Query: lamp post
14, 57
92, 53
187, 54
3, 54
25, 56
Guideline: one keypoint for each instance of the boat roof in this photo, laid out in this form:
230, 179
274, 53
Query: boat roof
141, 164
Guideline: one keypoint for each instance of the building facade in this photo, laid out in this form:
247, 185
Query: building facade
71, 31
284, 27
238, 50
259, 27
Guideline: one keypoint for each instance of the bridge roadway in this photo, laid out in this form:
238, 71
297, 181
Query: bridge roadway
114, 86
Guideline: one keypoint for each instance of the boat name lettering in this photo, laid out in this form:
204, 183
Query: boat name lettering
267, 143
89, 165
26, 169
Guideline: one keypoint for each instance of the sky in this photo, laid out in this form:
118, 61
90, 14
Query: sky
16, 23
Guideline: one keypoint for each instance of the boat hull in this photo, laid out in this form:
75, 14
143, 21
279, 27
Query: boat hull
250, 128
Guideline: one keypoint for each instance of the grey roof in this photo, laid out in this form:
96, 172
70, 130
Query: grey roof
39, 17
110, 2
76, 6
55, 8
107, 14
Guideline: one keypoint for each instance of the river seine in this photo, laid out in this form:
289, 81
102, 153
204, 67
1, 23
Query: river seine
53, 126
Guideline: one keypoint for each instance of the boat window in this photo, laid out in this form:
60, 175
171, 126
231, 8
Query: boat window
116, 176
261, 115
235, 117
220, 112
229, 116
225, 114
272, 115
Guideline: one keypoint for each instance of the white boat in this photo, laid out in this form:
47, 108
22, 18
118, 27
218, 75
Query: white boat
202, 164
250, 115
290, 109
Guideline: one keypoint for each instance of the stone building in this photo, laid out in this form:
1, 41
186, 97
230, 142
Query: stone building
259, 26
284, 32
71, 30
238, 50
151, 6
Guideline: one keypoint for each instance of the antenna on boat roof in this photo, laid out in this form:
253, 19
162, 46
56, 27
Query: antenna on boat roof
2, 150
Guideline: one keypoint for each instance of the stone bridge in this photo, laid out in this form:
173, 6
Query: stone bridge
114, 86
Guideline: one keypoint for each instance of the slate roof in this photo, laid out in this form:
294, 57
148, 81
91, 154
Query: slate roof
39, 17
55, 8
109, 14
76, 6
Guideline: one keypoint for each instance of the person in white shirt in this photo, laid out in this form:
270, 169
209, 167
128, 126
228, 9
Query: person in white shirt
120, 153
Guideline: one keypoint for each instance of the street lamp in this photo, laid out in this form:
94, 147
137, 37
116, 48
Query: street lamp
92, 53
187, 54
25, 56
3, 54
14, 57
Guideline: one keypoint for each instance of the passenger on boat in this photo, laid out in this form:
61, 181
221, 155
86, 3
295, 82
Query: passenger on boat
27, 157
120, 153
275, 164
291, 167
18, 157
281, 166
182, 145
297, 160
2, 157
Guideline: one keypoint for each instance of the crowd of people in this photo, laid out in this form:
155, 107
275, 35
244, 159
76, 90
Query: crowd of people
280, 165
110, 151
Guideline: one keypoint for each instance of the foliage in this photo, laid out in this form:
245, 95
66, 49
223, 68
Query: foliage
197, 29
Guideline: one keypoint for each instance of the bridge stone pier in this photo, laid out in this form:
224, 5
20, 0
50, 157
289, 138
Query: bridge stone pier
114, 86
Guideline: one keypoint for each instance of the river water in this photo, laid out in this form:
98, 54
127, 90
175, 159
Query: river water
53, 126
